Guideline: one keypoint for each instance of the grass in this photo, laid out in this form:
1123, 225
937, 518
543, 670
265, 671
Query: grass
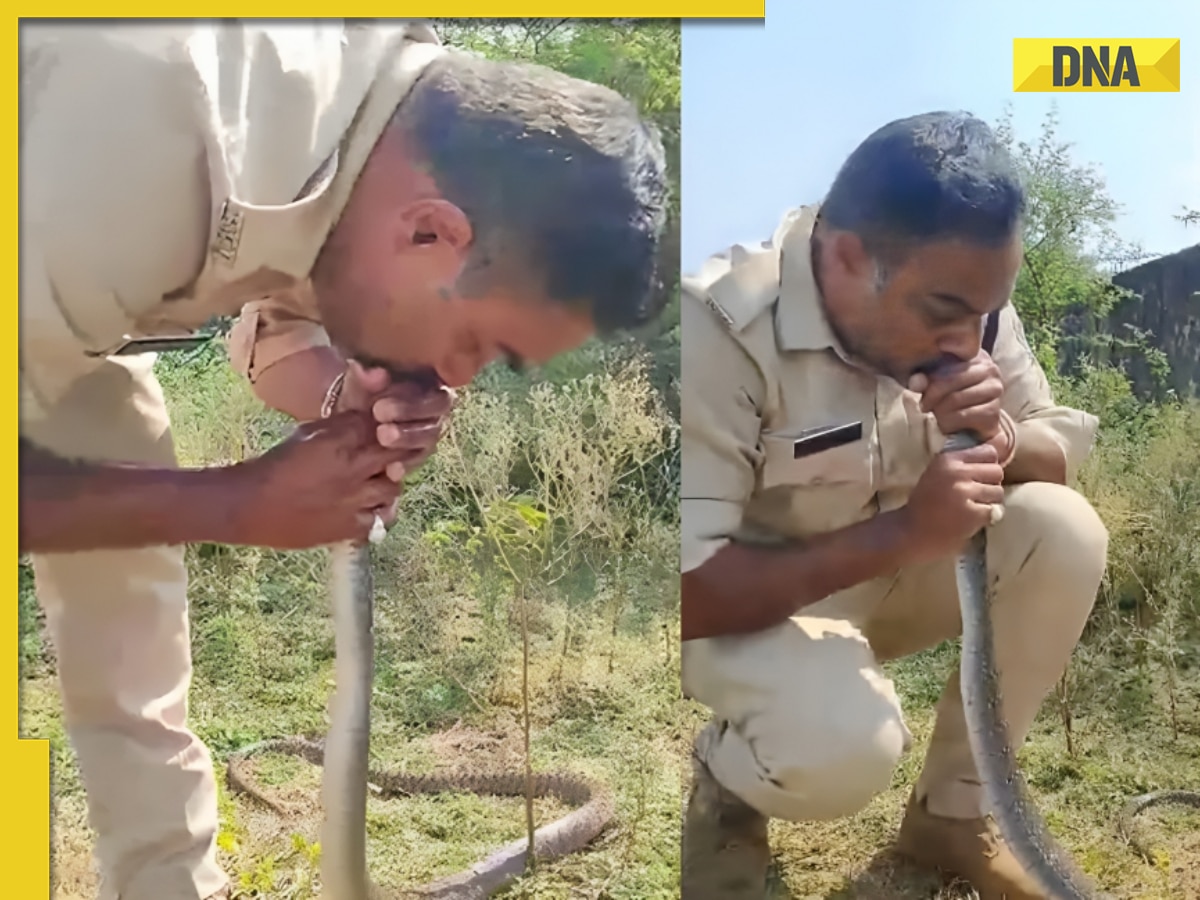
621, 729
1123, 746
1132, 693
603, 682
605, 699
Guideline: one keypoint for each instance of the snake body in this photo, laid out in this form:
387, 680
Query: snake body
995, 761
1004, 787
347, 747
348, 777
1139, 804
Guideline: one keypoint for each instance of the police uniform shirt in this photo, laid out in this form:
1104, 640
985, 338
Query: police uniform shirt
763, 376
171, 173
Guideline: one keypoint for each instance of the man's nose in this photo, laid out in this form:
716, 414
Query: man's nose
963, 343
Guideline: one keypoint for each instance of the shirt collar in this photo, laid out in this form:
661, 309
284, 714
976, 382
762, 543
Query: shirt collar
287, 238
800, 320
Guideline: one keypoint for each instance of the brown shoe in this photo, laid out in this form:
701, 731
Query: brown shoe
969, 848
725, 850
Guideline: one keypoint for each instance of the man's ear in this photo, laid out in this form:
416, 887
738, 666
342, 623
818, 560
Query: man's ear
434, 222
851, 255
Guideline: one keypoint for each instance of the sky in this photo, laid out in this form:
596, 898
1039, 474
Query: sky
771, 110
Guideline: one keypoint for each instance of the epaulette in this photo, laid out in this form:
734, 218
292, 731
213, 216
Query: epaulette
738, 284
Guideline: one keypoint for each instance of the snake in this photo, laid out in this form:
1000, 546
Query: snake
1139, 804
1004, 787
348, 778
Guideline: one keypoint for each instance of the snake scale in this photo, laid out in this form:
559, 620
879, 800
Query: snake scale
347, 776
1004, 787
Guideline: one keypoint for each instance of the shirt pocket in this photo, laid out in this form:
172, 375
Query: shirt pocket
819, 492
909, 440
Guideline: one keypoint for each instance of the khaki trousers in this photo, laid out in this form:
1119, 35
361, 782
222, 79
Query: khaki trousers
807, 726
119, 623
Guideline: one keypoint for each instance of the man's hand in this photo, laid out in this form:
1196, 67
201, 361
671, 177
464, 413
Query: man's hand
408, 417
966, 397
324, 484
953, 500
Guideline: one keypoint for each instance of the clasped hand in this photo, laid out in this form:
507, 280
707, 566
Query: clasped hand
332, 477
960, 492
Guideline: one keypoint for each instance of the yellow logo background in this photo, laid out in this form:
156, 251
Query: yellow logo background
1157, 61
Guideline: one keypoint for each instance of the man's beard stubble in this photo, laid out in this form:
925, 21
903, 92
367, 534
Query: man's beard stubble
343, 305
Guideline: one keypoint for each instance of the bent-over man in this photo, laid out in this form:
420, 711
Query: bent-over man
387, 217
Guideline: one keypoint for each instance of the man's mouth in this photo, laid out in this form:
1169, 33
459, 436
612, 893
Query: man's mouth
423, 377
933, 366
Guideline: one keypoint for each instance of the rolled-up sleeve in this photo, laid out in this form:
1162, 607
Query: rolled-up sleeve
721, 398
1029, 400
273, 328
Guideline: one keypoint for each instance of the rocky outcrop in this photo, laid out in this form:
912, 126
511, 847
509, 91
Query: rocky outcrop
1167, 309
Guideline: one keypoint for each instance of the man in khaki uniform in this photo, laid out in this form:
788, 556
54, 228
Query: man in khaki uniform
821, 372
357, 192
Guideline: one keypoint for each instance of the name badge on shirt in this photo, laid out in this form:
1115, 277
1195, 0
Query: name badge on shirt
824, 439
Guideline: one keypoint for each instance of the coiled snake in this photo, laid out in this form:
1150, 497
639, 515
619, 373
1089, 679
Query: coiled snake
1004, 787
347, 775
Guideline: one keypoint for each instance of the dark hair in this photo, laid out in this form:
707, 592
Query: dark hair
559, 177
940, 175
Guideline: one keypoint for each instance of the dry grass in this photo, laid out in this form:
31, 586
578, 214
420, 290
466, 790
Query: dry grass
604, 693
1124, 746
1133, 692
607, 705
621, 729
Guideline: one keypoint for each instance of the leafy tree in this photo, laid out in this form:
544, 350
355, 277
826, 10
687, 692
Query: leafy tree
1064, 291
1071, 247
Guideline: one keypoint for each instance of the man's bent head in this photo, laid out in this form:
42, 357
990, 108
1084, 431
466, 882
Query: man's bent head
918, 240
508, 211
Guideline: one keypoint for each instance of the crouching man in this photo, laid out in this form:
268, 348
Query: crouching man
821, 372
